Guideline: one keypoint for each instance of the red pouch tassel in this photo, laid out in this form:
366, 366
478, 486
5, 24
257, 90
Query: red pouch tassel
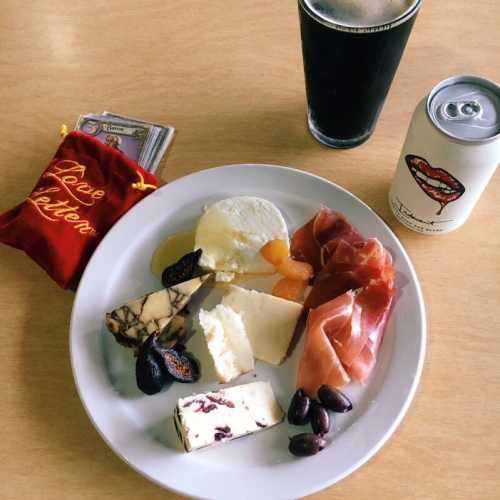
84, 190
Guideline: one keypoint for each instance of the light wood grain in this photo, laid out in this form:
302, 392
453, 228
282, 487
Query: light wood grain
229, 76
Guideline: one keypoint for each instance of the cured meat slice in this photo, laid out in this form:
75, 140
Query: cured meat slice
351, 266
370, 312
364, 363
349, 302
319, 363
343, 337
304, 247
377, 304
326, 227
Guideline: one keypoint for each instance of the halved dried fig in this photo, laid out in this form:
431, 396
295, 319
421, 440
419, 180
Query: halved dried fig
181, 365
150, 372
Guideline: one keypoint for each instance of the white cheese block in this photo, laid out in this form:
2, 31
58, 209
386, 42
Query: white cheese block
227, 342
231, 233
138, 318
269, 321
204, 419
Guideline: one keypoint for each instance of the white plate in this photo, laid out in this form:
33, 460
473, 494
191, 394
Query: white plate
139, 428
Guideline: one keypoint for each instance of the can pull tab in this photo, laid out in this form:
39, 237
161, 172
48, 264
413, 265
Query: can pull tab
461, 110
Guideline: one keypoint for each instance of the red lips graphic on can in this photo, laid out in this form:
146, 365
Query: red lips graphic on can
436, 183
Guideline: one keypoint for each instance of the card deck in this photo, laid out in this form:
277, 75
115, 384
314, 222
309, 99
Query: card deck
163, 139
144, 142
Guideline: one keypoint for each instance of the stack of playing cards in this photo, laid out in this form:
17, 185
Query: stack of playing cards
141, 141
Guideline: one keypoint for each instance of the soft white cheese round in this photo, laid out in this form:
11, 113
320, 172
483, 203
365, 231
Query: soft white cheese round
232, 231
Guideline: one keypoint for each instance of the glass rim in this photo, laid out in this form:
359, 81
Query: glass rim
362, 29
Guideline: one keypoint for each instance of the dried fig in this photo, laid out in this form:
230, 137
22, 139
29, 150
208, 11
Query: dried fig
150, 372
181, 365
184, 269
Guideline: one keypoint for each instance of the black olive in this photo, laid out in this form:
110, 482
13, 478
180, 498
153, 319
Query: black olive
306, 444
334, 399
298, 412
150, 372
181, 365
320, 419
184, 269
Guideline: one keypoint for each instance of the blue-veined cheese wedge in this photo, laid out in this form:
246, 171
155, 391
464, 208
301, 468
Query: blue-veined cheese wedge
138, 318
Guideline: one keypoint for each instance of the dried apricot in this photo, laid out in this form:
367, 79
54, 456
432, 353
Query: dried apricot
289, 289
295, 270
274, 251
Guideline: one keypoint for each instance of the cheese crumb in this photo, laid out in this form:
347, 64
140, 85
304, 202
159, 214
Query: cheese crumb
224, 277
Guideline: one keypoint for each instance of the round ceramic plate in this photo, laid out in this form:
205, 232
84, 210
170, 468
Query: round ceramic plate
139, 428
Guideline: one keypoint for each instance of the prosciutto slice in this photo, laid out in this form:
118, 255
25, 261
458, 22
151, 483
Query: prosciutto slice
321, 233
374, 302
352, 324
319, 362
349, 267
349, 302
363, 364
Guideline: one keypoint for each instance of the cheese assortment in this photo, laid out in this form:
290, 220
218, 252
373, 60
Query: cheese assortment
235, 239
215, 417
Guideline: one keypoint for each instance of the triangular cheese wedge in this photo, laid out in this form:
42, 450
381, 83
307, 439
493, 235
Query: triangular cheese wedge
138, 318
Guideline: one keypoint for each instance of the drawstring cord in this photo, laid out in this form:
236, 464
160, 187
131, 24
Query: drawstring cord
141, 186
63, 131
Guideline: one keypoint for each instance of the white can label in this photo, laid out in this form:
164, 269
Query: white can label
438, 181
421, 193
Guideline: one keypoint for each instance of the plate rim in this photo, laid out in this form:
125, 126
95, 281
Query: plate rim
421, 310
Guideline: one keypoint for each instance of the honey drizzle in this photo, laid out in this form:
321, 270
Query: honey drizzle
170, 250
175, 246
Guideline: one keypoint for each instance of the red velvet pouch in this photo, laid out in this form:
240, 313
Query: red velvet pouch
84, 190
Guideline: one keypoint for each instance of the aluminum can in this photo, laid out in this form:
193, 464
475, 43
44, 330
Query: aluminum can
451, 151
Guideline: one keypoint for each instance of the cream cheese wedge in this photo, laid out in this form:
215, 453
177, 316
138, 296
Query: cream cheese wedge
231, 233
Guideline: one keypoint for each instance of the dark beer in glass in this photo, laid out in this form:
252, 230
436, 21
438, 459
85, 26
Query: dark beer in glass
351, 51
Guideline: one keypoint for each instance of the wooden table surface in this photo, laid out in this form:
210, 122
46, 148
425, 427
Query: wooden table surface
229, 77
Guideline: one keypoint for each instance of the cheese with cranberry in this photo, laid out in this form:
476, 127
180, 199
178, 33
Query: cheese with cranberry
216, 417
